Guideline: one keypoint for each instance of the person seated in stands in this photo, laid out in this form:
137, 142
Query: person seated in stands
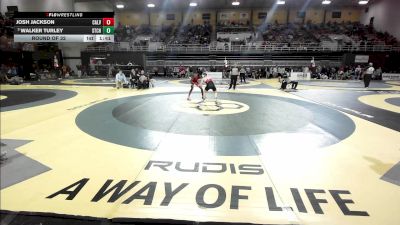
34, 72
286, 80
378, 74
324, 76
294, 83
259, 73
120, 79
67, 73
155, 71
11, 76
248, 71
3, 78
165, 70
333, 73
12, 71
324, 71
346, 75
151, 81
189, 72
340, 74
255, 73
137, 75
14, 80
182, 71
143, 81
3, 73
34, 75
132, 78
175, 71
357, 72
64, 71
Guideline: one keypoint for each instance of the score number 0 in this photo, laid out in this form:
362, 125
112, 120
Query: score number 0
108, 25
108, 21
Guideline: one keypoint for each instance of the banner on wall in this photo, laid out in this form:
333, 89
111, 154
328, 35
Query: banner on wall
391, 76
300, 76
215, 75
244, 16
361, 59
225, 16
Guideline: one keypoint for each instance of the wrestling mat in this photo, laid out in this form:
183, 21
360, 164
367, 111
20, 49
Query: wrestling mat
91, 154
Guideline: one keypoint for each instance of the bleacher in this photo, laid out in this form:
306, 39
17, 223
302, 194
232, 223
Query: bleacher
253, 60
330, 37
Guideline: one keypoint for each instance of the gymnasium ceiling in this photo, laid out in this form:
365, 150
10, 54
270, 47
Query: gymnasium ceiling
223, 4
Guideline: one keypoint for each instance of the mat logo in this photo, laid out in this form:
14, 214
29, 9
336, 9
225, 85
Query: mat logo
196, 167
217, 106
209, 196
211, 107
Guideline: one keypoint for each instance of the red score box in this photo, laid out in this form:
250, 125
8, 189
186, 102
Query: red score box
108, 21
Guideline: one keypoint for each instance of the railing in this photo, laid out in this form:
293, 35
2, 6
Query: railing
220, 63
247, 48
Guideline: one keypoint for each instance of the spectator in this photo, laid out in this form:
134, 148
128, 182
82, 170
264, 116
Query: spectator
378, 74
358, 72
132, 78
120, 79
143, 81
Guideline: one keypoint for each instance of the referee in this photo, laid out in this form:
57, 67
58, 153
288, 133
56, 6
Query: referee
368, 75
234, 76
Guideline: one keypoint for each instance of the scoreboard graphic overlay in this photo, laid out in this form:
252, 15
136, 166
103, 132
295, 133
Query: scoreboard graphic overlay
64, 27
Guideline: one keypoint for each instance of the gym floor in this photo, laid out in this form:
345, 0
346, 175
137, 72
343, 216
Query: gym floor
84, 152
